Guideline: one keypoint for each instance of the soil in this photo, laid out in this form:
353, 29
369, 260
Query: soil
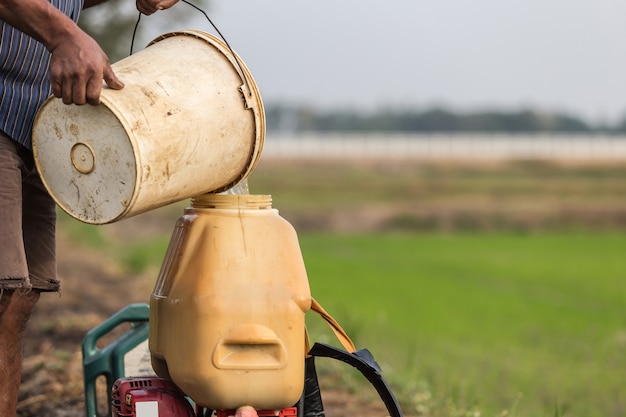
94, 288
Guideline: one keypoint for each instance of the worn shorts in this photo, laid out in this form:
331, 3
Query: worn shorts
27, 223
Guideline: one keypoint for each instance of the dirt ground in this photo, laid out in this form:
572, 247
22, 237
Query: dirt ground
94, 288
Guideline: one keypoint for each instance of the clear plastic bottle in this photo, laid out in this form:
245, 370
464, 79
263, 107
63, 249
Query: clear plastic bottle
227, 312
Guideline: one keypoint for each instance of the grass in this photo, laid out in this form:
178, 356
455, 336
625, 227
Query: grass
474, 314
314, 184
484, 322
135, 255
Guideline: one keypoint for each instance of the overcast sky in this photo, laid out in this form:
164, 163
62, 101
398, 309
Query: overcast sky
565, 55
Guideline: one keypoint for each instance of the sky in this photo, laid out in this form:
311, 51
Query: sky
553, 55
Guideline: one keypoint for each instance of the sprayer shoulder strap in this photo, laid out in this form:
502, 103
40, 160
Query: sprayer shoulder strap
341, 334
364, 362
361, 359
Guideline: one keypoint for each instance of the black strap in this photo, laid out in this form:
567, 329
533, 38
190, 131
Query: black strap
311, 402
364, 362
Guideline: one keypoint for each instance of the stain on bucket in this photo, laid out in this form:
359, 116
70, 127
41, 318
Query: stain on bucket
189, 121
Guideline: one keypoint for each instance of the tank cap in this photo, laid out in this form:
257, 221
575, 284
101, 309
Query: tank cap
230, 201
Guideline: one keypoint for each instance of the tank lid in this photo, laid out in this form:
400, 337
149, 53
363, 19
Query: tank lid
230, 201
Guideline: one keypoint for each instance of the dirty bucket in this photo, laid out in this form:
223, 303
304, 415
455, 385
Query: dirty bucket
189, 121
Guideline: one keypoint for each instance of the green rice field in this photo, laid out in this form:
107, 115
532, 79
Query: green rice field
485, 324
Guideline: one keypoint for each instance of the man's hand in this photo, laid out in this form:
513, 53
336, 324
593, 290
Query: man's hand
148, 7
77, 68
246, 411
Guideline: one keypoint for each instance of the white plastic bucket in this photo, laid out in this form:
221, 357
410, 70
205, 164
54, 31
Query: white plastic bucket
189, 121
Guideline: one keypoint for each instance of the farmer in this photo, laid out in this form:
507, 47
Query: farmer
42, 50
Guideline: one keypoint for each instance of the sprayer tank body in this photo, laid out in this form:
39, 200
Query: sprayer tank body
227, 312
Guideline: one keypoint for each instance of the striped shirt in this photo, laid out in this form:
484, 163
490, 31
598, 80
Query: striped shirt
24, 78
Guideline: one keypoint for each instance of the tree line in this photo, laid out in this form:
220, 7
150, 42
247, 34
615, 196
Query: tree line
303, 118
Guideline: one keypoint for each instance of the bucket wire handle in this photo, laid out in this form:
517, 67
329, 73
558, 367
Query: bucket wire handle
242, 72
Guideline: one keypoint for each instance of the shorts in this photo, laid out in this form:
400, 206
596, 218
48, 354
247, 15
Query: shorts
27, 223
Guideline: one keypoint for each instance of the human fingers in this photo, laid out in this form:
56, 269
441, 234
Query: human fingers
94, 85
111, 79
56, 79
246, 411
78, 88
66, 91
94, 89
57, 90
92, 92
148, 7
166, 4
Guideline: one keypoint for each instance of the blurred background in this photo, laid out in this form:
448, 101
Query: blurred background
456, 172
558, 56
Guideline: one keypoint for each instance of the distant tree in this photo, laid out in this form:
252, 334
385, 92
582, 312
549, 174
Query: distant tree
620, 127
305, 118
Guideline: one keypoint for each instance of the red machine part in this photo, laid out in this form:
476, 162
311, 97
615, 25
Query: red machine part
154, 396
147, 397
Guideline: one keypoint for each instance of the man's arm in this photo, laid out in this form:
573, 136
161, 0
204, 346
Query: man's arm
78, 64
37, 18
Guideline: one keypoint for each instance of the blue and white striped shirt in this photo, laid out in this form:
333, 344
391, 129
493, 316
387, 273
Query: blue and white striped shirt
24, 78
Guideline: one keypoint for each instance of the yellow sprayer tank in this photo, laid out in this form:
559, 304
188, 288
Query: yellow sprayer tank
227, 312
